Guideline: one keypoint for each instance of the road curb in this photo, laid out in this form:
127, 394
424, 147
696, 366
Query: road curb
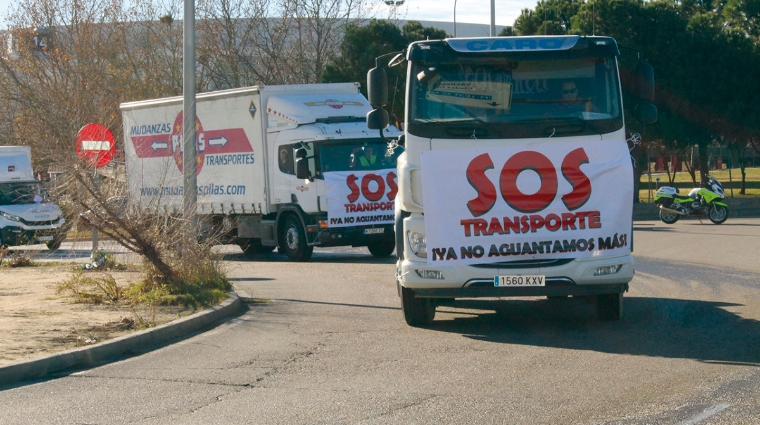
101, 353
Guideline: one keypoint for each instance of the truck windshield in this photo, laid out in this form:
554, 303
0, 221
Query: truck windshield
506, 97
363, 154
22, 193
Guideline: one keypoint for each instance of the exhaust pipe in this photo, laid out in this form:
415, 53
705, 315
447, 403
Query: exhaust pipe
668, 210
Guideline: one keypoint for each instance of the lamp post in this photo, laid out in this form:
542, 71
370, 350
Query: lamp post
455, 18
394, 4
493, 18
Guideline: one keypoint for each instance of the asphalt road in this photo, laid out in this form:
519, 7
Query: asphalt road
325, 342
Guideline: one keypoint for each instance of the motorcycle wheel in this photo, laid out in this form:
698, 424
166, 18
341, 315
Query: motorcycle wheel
718, 214
668, 217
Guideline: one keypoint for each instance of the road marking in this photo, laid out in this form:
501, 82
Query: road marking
712, 411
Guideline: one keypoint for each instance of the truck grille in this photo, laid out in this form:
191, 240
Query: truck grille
524, 264
39, 223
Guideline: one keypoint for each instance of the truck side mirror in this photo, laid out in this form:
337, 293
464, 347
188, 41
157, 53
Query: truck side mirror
302, 168
645, 113
377, 87
302, 165
377, 119
643, 80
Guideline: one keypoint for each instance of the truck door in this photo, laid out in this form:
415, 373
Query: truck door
286, 186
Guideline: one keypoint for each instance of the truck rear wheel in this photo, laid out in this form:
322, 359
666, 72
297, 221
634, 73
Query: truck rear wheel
417, 311
294, 240
609, 306
382, 249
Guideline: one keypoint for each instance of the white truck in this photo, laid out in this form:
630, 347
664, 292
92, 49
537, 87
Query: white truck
516, 179
291, 166
26, 215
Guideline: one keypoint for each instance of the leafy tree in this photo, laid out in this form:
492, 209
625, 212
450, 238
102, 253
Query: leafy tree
551, 17
362, 44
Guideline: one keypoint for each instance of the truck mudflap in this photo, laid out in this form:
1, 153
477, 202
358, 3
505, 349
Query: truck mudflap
554, 287
349, 236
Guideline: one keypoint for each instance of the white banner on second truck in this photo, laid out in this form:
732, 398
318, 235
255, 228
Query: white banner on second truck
555, 200
361, 197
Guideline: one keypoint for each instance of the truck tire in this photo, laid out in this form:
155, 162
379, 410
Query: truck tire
609, 306
417, 311
294, 240
382, 249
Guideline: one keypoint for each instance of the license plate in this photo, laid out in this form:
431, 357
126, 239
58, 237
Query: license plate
45, 238
528, 280
374, 231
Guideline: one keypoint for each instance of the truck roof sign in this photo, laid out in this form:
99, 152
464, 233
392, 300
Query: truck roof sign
305, 109
513, 43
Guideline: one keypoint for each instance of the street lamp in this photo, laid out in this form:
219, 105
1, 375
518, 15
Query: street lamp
394, 4
455, 18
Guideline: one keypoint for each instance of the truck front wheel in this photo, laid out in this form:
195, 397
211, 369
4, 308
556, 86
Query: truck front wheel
294, 240
382, 249
417, 311
609, 306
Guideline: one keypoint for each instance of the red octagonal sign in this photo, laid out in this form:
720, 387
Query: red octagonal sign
95, 145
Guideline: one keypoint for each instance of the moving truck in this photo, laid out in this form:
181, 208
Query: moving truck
291, 166
26, 214
516, 178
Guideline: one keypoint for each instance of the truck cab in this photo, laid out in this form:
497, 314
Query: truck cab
515, 180
314, 163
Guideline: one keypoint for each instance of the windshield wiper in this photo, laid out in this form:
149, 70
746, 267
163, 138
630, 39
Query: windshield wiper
468, 132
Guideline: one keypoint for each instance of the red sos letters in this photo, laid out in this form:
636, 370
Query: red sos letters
528, 203
389, 183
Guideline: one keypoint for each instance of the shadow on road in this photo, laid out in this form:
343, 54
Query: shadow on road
657, 327
317, 257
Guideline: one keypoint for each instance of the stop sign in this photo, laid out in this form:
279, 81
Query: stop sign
95, 145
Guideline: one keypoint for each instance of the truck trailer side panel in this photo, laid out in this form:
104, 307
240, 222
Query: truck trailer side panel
230, 154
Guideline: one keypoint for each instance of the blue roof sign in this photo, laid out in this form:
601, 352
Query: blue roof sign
512, 44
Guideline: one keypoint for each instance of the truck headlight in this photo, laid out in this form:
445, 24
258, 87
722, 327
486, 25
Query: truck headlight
417, 243
10, 217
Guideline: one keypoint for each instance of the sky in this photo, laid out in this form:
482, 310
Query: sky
470, 11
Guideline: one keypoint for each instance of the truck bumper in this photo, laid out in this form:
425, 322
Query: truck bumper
17, 235
350, 236
563, 276
573, 277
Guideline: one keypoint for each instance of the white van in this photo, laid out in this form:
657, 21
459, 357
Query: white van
26, 215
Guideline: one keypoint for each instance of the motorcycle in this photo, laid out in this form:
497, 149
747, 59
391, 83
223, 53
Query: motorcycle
701, 201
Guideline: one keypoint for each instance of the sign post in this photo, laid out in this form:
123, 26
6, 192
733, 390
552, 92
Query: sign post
95, 146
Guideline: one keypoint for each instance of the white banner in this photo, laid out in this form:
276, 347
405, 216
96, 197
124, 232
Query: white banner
360, 197
554, 199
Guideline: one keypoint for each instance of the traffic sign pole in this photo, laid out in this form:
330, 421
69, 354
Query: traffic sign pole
95, 146
190, 145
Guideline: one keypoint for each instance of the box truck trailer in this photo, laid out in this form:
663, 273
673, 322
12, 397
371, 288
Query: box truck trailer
293, 167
